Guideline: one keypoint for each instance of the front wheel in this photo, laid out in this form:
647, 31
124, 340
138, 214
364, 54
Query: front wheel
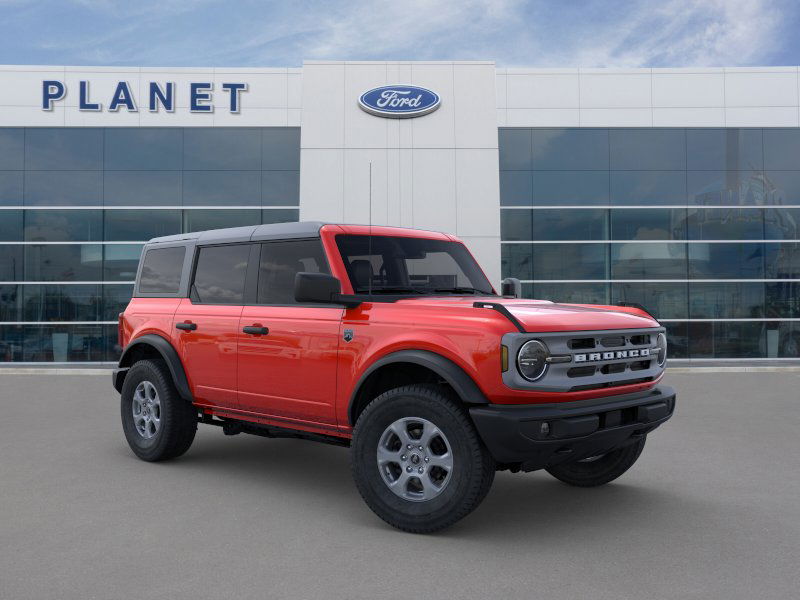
417, 460
601, 469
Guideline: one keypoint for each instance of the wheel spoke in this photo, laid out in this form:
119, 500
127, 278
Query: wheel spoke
443, 461
400, 429
429, 432
388, 456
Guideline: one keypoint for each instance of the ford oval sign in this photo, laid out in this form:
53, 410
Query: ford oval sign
399, 101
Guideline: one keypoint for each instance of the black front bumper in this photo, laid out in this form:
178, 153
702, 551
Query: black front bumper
534, 436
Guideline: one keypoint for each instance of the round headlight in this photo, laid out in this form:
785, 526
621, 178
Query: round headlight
661, 349
531, 360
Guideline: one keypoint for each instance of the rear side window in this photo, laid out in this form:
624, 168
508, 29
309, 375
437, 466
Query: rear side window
280, 262
220, 274
161, 270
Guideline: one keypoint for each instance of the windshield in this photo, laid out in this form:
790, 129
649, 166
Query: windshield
406, 265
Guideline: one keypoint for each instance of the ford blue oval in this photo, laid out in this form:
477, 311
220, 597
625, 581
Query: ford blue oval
399, 101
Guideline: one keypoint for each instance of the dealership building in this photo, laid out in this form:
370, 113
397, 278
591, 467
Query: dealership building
678, 189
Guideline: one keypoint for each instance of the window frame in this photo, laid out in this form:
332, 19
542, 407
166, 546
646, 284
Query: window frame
247, 292
189, 251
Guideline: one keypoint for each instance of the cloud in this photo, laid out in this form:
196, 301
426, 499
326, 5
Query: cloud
513, 32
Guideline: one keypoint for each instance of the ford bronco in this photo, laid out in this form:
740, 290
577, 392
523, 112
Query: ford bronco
390, 341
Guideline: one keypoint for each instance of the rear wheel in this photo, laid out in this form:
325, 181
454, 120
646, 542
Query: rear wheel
601, 469
157, 422
417, 460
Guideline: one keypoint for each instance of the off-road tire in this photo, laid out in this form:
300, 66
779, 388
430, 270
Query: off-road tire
600, 471
473, 467
178, 417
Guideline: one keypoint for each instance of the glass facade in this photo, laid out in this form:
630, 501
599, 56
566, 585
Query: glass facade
76, 204
698, 225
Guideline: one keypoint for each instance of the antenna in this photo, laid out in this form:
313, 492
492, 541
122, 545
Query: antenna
369, 237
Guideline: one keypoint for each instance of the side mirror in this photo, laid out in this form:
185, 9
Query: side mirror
511, 286
316, 287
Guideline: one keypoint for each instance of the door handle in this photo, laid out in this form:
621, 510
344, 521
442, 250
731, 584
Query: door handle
255, 330
186, 326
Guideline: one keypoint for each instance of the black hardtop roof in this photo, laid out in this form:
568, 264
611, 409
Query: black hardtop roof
273, 231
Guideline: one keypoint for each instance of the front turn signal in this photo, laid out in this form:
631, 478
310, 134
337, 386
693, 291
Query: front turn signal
504, 358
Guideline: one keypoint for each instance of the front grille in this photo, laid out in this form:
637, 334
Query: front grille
595, 359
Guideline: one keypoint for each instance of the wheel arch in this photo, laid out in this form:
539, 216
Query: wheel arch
408, 364
152, 345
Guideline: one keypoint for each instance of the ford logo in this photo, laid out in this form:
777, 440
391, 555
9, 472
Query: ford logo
399, 101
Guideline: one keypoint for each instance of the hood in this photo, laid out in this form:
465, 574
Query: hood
543, 315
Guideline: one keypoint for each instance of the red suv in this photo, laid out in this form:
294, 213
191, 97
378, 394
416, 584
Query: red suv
393, 342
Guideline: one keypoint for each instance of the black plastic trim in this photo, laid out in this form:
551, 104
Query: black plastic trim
503, 311
462, 384
167, 352
514, 434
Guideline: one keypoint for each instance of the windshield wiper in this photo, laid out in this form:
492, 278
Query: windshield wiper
463, 290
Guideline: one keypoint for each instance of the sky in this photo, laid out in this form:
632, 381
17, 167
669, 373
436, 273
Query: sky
538, 33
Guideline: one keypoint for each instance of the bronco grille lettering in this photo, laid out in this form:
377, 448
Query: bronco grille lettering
616, 355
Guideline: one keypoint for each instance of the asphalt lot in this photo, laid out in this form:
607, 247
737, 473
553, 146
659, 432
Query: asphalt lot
711, 510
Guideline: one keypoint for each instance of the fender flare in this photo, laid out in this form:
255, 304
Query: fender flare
167, 352
454, 375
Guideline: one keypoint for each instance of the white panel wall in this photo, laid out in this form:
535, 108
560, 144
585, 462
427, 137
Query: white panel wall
273, 96
690, 97
439, 171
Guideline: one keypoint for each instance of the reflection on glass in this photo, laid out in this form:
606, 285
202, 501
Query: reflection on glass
11, 263
573, 293
727, 339
516, 188
215, 188
63, 188
63, 148
648, 224
140, 225
648, 261
142, 188
63, 262
63, 343
115, 300
648, 187
11, 338
725, 224
565, 188
221, 148
570, 261
10, 226
280, 188
10, 304
280, 215
280, 147
677, 339
63, 225
648, 149
120, 262
782, 261
201, 220
782, 148
570, 149
726, 300
515, 149
662, 300
732, 188
516, 261
11, 188
61, 302
12, 148
724, 149
557, 225
143, 148
726, 261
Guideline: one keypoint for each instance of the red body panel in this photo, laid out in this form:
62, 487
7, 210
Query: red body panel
303, 375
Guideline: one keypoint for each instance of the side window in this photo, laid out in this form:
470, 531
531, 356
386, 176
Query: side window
280, 262
220, 274
161, 270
